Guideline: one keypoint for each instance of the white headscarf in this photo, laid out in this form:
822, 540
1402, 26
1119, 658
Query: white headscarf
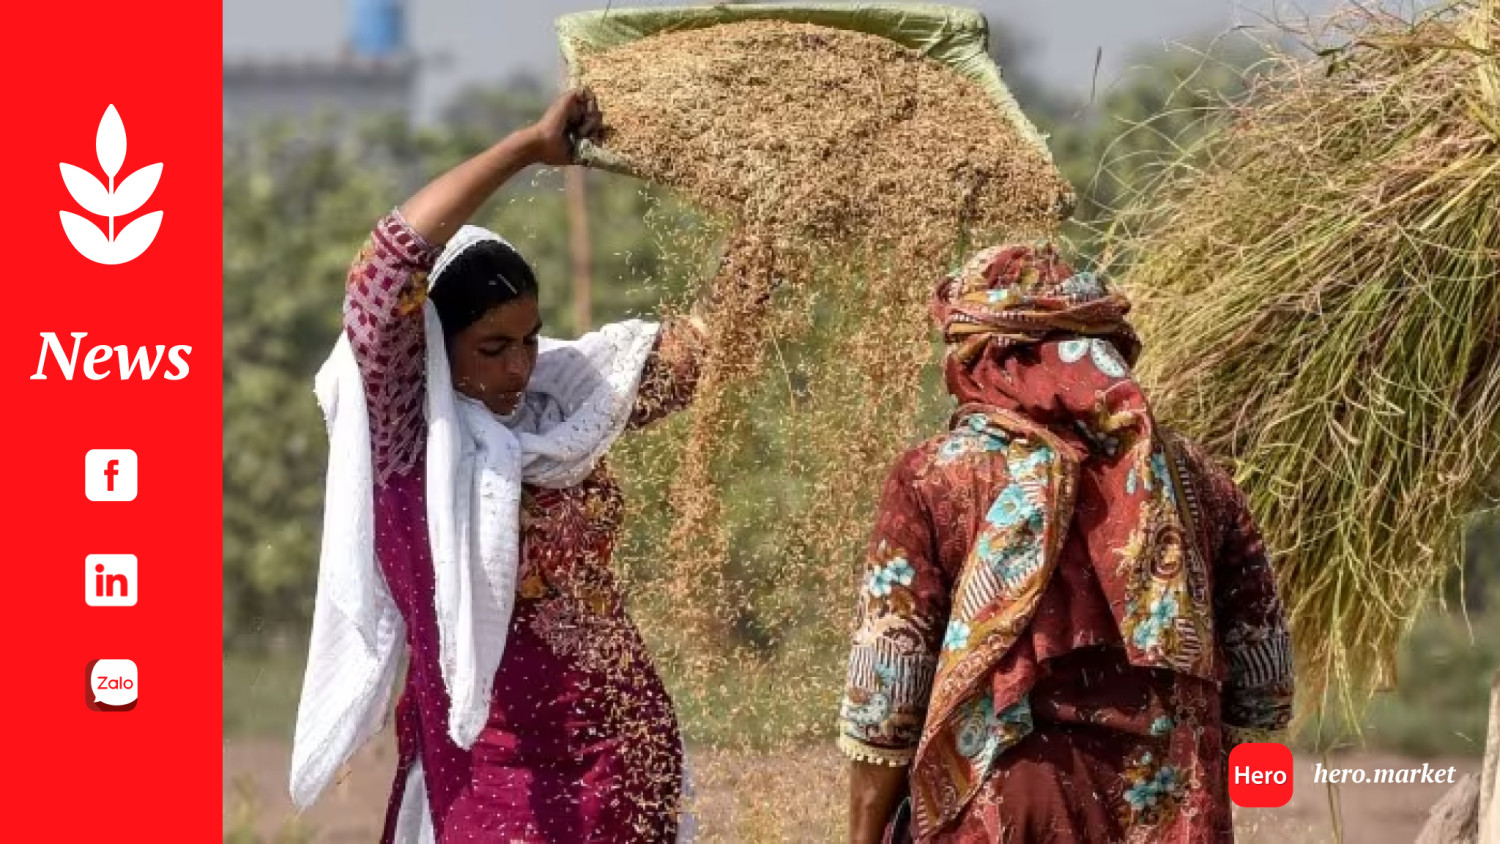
578, 401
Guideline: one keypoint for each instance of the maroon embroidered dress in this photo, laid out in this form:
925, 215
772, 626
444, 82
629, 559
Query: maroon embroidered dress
581, 742
1105, 748
1067, 617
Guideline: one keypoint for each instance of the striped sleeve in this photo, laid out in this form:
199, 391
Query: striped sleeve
1258, 689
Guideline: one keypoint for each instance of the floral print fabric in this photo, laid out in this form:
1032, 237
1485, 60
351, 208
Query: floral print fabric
1056, 517
1066, 674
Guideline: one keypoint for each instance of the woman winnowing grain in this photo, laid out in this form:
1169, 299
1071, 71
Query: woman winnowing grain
1067, 618
469, 523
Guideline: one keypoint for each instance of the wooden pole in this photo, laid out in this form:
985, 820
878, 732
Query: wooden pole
580, 252
1469, 813
579, 248
1489, 773
1454, 819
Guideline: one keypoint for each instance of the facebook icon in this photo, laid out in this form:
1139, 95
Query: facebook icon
109, 474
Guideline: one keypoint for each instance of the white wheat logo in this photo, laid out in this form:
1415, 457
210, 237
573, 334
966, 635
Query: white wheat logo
110, 201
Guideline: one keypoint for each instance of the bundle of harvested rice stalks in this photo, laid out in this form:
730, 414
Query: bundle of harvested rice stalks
1319, 286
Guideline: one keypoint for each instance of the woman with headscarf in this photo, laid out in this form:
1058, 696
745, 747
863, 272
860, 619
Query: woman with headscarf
1067, 618
469, 524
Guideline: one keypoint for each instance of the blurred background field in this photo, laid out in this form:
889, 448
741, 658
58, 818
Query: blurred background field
300, 195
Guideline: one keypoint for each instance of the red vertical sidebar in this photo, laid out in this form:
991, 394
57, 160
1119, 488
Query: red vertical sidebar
152, 772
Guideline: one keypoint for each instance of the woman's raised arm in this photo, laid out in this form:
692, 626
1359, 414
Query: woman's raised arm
438, 210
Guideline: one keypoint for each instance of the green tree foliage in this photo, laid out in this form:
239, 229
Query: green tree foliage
296, 210
494, 112
293, 215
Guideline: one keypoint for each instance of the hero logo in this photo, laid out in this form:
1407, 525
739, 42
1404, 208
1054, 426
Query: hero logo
111, 202
141, 361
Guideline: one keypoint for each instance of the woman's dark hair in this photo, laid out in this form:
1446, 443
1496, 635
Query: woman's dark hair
483, 277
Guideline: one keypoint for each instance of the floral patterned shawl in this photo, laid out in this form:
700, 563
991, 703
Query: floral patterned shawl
1042, 356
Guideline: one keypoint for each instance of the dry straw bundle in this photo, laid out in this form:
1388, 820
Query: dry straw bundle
1319, 286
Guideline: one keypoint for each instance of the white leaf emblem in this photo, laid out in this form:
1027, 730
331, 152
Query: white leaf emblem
109, 201
127, 245
87, 190
109, 142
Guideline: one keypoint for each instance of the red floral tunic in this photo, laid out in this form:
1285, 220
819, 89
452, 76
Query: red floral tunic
581, 743
1076, 744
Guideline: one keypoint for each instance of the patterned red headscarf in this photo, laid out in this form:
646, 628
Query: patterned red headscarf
1043, 354
1009, 298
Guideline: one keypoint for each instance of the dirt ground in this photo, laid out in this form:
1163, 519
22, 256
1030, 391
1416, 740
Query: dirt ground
790, 797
